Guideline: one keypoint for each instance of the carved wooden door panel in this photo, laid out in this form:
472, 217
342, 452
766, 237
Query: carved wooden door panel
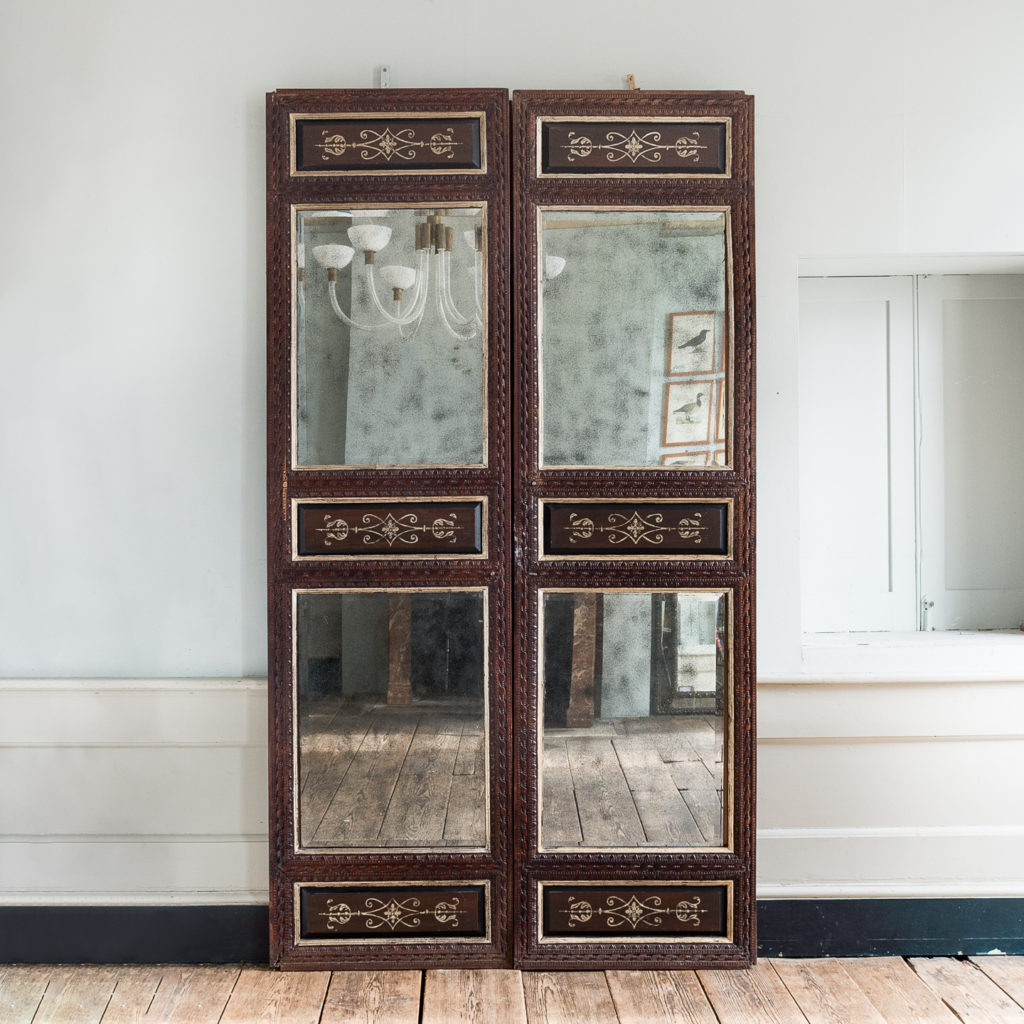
388, 512
634, 494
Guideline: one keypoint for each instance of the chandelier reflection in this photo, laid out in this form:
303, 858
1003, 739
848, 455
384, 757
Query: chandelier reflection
418, 293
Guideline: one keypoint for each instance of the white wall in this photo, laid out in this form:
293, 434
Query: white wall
132, 310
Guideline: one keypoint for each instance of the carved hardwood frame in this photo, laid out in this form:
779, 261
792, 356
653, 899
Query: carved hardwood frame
513, 870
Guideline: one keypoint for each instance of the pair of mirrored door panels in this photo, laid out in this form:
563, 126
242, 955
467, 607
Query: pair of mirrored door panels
511, 572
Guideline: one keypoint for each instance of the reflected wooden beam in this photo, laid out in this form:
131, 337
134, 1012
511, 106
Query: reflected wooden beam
580, 714
399, 649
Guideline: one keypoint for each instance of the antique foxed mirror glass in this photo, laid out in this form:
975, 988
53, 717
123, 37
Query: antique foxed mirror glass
635, 690
635, 329
391, 699
390, 354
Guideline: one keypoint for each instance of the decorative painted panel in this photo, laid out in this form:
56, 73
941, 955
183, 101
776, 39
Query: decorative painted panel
635, 529
629, 911
400, 144
380, 912
662, 146
366, 529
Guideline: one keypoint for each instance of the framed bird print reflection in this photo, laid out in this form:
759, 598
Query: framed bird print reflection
693, 344
689, 412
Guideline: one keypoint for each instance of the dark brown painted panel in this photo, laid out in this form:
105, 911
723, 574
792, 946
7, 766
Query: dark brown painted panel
391, 528
636, 529
634, 147
388, 144
383, 913
635, 910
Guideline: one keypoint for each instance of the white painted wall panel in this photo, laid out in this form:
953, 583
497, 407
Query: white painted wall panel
792, 712
223, 712
55, 870
899, 862
972, 464
831, 784
133, 791
857, 529
94, 789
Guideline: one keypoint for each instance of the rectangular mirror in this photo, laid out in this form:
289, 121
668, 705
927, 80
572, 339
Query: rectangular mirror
391, 742
635, 692
635, 326
390, 341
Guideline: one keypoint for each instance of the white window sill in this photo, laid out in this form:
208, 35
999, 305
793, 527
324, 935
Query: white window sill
934, 656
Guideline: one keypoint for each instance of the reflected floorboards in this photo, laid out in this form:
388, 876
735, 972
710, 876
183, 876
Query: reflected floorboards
634, 782
375, 776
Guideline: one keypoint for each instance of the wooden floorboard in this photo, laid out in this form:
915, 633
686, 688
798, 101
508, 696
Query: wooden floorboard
360, 803
568, 998
898, 994
133, 995
659, 997
968, 991
560, 822
373, 997
277, 997
756, 996
21, 991
939, 990
75, 994
825, 993
192, 995
473, 997
665, 817
1006, 971
606, 807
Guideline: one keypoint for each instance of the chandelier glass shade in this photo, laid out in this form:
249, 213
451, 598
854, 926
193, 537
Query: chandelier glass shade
432, 280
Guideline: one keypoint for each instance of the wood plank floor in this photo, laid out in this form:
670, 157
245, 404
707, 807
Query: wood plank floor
891, 990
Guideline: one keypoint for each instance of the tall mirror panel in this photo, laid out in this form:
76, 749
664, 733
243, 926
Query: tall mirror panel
510, 513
